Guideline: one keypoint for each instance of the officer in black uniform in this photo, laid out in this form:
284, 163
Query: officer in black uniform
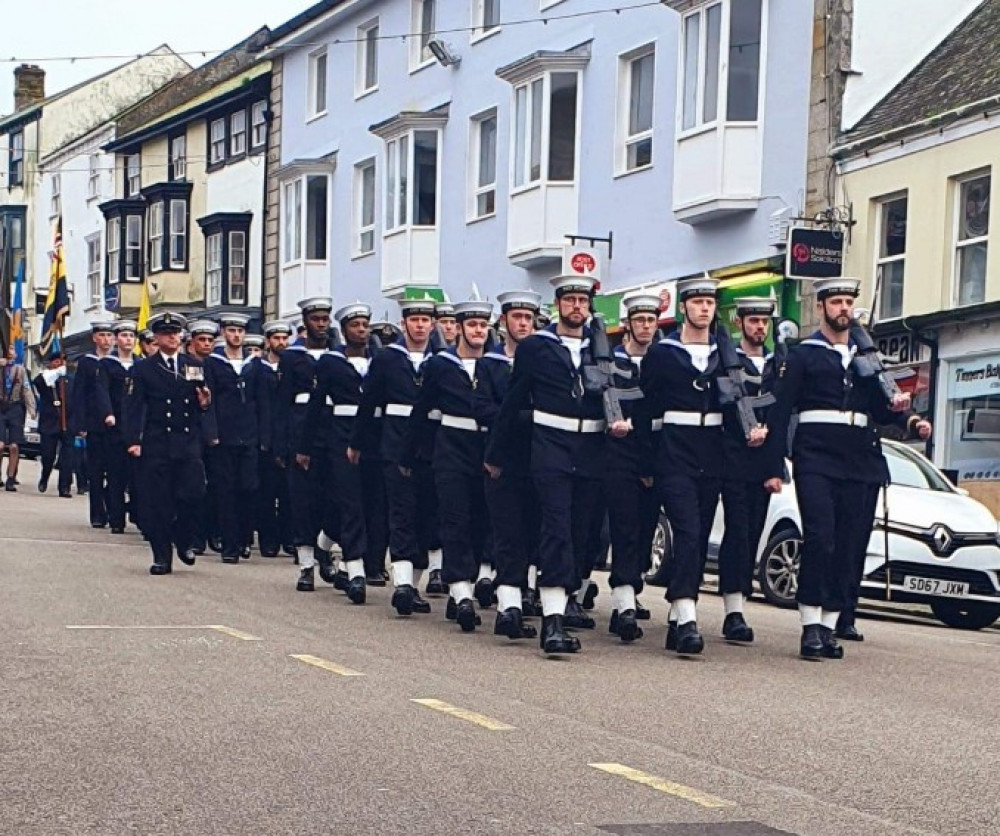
391, 388
118, 365
238, 394
744, 497
296, 377
679, 382
567, 453
511, 500
273, 525
633, 508
835, 469
455, 449
352, 487
165, 408
93, 416
54, 424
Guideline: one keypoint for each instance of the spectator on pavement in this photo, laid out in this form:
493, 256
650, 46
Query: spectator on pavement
16, 402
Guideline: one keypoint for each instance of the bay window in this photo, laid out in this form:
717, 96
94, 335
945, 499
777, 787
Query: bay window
545, 129
155, 224
412, 159
305, 216
227, 236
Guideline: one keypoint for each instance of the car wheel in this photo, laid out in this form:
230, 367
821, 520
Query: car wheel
778, 570
965, 615
660, 554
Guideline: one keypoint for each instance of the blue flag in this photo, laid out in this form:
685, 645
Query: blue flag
57, 301
17, 316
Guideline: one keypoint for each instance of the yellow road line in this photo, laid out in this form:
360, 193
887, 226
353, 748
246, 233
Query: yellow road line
219, 628
315, 661
229, 631
678, 790
463, 714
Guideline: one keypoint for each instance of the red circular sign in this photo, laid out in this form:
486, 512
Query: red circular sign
583, 263
801, 253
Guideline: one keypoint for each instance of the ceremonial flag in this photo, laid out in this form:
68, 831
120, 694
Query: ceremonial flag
143, 321
57, 302
17, 316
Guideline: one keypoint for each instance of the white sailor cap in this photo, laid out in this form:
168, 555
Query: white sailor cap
572, 283
519, 300
473, 309
218, 342
167, 322
825, 288
544, 316
230, 319
698, 286
636, 303
316, 303
411, 307
353, 311
444, 309
754, 306
125, 325
102, 326
253, 341
276, 326
203, 326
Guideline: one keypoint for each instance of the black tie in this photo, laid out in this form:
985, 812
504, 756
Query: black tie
171, 366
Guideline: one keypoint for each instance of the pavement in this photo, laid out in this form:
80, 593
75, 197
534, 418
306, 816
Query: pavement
218, 700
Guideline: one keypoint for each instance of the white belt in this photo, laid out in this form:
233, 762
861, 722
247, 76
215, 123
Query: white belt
456, 422
434, 415
303, 397
833, 416
563, 422
657, 424
345, 410
693, 419
398, 410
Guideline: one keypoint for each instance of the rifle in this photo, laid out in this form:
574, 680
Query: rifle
867, 362
603, 375
732, 387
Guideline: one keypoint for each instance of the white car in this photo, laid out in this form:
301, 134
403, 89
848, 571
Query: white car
944, 546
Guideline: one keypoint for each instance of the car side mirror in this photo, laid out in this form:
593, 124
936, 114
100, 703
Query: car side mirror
962, 491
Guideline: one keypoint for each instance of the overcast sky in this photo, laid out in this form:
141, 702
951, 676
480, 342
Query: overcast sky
43, 28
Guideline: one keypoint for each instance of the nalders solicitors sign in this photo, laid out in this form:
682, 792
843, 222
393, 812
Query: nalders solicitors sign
814, 253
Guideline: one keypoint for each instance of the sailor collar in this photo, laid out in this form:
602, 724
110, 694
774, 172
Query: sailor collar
818, 339
496, 355
675, 342
550, 334
118, 360
400, 346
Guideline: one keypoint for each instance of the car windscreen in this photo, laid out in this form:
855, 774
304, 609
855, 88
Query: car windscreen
909, 468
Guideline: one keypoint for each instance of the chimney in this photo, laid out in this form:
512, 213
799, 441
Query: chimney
29, 86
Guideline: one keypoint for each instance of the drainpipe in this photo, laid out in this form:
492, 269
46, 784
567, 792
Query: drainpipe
932, 383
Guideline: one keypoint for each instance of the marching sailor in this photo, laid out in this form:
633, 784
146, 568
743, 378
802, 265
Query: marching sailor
835, 469
119, 364
744, 497
391, 388
447, 324
54, 424
201, 335
273, 526
510, 498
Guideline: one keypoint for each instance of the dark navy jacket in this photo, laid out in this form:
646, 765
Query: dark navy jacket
633, 453
446, 387
236, 399
296, 378
90, 396
745, 463
53, 403
545, 379
118, 376
493, 373
268, 395
391, 381
670, 381
813, 377
338, 383
162, 412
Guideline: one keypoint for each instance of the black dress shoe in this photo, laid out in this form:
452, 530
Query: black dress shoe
341, 580
325, 561
576, 618
402, 599
66, 494
811, 643
10, 485
848, 633
625, 625
159, 569
307, 582
357, 592
510, 623
530, 608
230, 558
436, 586
589, 596
43, 484
215, 544
451, 612
98, 525
420, 606
641, 613
465, 615
375, 580
831, 649
484, 593
117, 530
736, 629
186, 556
245, 553
671, 635
554, 639
689, 640
290, 550
82, 491
268, 552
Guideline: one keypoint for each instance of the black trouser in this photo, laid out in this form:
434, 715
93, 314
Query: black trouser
307, 498
410, 520
206, 523
689, 501
98, 453
464, 523
834, 530
118, 476
514, 519
568, 503
633, 511
273, 524
233, 480
376, 516
60, 443
345, 508
744, 506
873, 492
170, 490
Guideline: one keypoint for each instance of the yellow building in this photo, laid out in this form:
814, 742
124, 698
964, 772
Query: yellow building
917, 171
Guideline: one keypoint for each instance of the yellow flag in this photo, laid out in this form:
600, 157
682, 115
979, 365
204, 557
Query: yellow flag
143, 314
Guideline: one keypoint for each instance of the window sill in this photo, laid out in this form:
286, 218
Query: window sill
482, 36
548, 4
235, 158
315, 117
697, 130
627, 172
416, 68
480, 218
362, 94
392, 233
529, 187
359, 256
258, 149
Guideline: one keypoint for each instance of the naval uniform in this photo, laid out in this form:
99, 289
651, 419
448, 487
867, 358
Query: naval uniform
237, 398
165, 419
119, 372
92, 406
273, 523
837, 461
54, 427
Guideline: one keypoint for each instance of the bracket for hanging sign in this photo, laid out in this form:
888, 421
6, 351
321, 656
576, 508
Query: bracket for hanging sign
593, 241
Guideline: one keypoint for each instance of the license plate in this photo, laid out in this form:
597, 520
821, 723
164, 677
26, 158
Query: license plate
934, 586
